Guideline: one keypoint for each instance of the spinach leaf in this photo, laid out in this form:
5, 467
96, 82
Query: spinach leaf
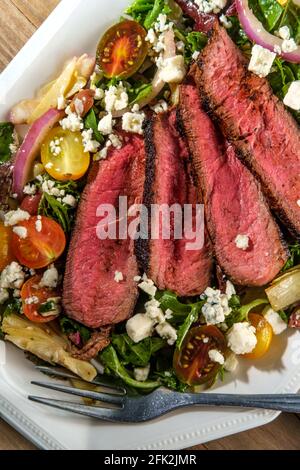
90, 122
294, 258
136, 354
69, 326
139, 92
240, 313
193, 41
271, 11
184, 328
169, 379
6, 139
111, 362
169, 300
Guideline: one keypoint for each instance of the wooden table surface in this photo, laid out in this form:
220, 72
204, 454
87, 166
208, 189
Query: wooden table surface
18, 21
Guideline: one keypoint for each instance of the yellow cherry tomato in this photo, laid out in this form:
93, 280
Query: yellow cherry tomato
264, 335
63, 155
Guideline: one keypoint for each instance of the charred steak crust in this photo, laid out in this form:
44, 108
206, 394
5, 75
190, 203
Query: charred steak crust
217, 167
142, 250
253, 134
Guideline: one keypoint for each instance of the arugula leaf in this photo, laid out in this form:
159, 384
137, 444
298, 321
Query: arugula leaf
110, 360
170, 380
6, 139
137, 354
139, 9
294, 258
47, 307
90, 122
169, 300
240, 313
190, 319
69, 326
139, 92
193, 41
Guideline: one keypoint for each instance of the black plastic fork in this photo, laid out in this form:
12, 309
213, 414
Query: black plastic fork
113, 403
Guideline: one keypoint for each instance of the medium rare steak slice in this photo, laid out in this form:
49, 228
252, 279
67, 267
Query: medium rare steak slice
234, 203
264, 133
168, 181
91, 294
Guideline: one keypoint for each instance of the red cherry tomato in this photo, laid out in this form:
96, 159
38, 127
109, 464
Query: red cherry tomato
30, 204
38, 296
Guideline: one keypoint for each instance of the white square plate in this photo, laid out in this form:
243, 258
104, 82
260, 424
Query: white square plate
73, 28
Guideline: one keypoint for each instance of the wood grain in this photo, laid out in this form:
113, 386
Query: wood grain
18, 21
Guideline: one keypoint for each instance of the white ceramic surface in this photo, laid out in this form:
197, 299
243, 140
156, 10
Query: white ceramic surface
73, 28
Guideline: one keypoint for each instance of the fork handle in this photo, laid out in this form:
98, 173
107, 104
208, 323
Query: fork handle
289, 403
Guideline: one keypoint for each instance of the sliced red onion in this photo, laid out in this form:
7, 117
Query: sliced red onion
30, 148
257, 33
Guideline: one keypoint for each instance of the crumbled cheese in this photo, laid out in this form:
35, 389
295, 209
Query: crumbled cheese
72, 122
61, 102
118, 276
215, 356
195, 55
17, 293
242, 242
14, 146
4, 295
208, 6
151, 36
147, 285
205, 340
137, 278
48, 186
12, 277
261, 60
14, 217
105, 125
161, 24
89, 144
70, 200
277, 49
38, 225
292, 98
99, 94
241, 338
55, 147
289, 45
79, 106
116, 98
230, 289
216, 307
166, 331
225, 21
32, 300
169, 314
21, 232
231, 362
30, 189
180, 46
115, 141
133, 122
139, 327
154, 311
284, 32
160, 107
275, 320
173, 69
50, 278
141, 374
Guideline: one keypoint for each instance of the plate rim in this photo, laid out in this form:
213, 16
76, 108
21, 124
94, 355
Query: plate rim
176, 440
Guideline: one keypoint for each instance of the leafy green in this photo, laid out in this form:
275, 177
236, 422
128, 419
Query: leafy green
139, 92
69, 326
238, 35
240, 312
169, 300
190, 319
294, 258
111, 362
168, 379
193, 41
6, 139
90, 122
146, 12
137, 354
12, 305
271, 11
283, 316
47, 307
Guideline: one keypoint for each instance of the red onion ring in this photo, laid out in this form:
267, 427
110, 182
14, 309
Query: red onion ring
257, 33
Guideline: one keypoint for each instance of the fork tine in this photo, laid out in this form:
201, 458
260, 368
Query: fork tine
93, 412
68, 375
104, 397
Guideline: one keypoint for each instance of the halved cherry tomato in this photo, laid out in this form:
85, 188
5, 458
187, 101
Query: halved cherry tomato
30, 204
264, 335
122, 49
71, 162
192, 363
29, 292
6, 253
39, 248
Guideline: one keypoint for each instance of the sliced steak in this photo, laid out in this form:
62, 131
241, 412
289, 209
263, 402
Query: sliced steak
98, 341
234, 203
168, 262
264, 133
91, 294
